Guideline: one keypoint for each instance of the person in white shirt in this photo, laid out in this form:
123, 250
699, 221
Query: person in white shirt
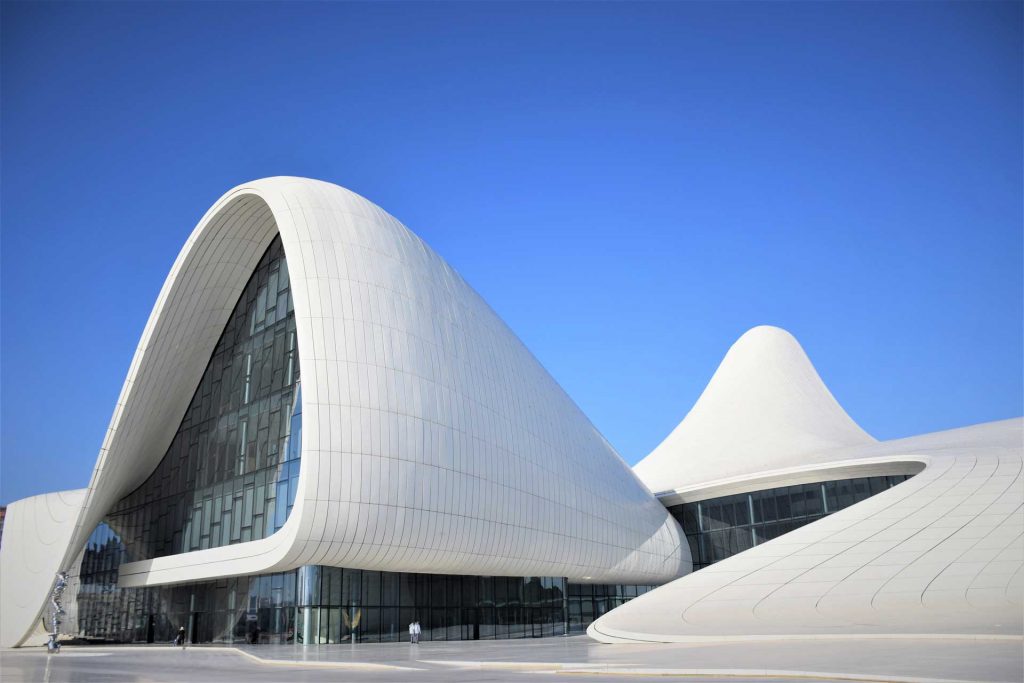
416, 632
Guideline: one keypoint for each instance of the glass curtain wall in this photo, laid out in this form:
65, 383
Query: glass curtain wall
320, 605
245, 609
231, 472
587, 602
326, 605
718, 528
338, 605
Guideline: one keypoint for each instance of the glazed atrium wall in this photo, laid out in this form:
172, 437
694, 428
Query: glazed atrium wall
717, 528
231, 472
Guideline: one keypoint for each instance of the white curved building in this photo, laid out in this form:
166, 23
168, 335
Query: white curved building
752, 472
421, 436
325, 434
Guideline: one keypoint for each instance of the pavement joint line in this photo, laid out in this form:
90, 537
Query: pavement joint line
522, 666
638, 639
612, 670
364, 666
768, 673
34, 649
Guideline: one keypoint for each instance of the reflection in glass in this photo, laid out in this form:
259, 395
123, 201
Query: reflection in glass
231, 472
718, 528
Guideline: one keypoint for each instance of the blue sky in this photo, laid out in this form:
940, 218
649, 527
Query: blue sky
630, 186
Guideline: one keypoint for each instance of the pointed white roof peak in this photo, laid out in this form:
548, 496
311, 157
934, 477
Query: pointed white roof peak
765, 408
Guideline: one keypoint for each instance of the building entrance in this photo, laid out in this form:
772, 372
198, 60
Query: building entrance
471, 624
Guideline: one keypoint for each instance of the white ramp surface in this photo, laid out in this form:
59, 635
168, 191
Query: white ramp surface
941, 554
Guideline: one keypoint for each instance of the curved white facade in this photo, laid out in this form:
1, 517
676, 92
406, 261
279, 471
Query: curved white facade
940, 554
433, 441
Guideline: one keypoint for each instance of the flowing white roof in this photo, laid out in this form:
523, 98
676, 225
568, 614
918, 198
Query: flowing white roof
939, 555
765, 408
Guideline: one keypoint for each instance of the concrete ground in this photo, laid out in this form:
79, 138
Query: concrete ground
550, 659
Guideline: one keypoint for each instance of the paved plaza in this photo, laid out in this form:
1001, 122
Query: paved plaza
574, 659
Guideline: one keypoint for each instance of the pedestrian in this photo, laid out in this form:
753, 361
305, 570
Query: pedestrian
416, 625
412, 632
180, 638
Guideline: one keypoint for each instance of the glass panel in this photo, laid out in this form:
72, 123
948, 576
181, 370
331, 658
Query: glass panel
330, 625
391, 629
437, 591
406, 590
796, 499
369, 624
389, 589
741, 509
351, 587
813, 502
453, 597
371, 589
782, 503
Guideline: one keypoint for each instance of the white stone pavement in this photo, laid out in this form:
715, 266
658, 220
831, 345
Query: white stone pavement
900, 660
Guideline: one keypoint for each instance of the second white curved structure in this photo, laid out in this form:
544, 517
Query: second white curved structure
939, 555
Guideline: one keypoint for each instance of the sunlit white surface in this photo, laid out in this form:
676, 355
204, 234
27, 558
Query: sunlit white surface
433, 441
37, 532
940, 554
765, 408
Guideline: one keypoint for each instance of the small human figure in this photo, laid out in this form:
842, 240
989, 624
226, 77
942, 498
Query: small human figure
180, 638
412, 632
416, 632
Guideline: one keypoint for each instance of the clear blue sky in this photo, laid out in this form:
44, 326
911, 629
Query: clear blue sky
630, 186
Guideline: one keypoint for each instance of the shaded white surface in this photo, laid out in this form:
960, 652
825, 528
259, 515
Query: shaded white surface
942, 553
765, 408
433, 441
37, 531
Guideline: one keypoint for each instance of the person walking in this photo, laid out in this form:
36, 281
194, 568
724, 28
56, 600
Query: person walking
412, 632
180, 638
